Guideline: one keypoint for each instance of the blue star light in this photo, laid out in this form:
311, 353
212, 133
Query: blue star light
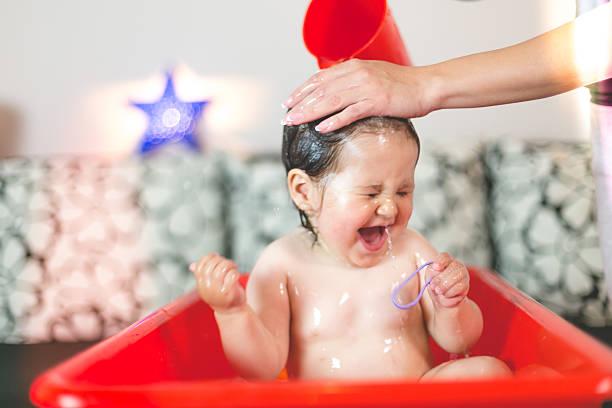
171, 121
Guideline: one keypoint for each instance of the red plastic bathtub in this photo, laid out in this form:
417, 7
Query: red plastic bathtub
173, 358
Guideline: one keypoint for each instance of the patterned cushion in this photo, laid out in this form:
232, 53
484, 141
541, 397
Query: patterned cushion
449, 205
184, 217
90, 245
260, 207
18, 180
543, 225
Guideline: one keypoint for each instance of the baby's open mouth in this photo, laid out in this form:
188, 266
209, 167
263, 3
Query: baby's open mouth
373, 238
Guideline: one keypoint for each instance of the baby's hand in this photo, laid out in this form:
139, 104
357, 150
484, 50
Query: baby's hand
451, 281
217, 280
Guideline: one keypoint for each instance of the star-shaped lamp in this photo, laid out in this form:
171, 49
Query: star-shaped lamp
171, 121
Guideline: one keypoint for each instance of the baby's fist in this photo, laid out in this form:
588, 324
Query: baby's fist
217, 281
451, 281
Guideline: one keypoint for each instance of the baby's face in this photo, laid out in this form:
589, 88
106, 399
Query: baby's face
370, 193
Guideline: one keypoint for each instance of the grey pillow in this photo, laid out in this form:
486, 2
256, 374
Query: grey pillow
543, 222
449, 204
260, 209
90, 245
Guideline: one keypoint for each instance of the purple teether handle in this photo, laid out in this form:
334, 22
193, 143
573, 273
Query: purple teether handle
401, 285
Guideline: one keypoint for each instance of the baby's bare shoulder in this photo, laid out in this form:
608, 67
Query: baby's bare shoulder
413, 242
289, 246
282, 253
413, 236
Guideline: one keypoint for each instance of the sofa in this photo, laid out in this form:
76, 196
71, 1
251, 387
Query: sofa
91, 244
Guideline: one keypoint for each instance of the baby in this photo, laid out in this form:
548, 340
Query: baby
318, 300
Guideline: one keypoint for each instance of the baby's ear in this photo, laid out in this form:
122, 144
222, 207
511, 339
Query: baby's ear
302, 189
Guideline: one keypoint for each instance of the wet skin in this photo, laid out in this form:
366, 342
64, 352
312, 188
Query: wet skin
324, 309
343, 323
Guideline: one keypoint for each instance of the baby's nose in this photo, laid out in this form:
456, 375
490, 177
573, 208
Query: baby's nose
387, 208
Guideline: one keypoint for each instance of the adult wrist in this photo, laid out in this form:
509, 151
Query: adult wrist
435, 90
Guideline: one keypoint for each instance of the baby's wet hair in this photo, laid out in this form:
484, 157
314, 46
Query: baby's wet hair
317, 154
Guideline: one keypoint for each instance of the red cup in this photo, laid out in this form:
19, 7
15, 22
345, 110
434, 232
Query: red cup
338, 30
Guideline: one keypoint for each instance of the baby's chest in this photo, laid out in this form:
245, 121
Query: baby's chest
336, 310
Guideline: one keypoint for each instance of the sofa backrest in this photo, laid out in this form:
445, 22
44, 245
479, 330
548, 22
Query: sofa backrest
89, 245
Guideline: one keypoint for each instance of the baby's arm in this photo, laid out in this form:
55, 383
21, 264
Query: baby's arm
453, 320
255, 335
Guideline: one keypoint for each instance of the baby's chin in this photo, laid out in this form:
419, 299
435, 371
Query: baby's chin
354, 258
369, 260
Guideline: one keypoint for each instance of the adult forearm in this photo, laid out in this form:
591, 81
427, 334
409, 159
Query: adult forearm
572, 55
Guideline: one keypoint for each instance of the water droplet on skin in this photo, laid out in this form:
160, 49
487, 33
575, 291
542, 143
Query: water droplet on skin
390, 246
453, 356
419, 259
336, 362
388, 239
388, 346
316, 317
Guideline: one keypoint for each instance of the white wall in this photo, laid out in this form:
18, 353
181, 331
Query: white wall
68, 68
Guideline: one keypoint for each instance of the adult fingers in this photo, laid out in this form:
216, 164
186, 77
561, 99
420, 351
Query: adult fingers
303, 90
314, 82
350, 87
326, 99
349, 114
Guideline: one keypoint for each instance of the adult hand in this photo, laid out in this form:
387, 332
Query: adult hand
359, 88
